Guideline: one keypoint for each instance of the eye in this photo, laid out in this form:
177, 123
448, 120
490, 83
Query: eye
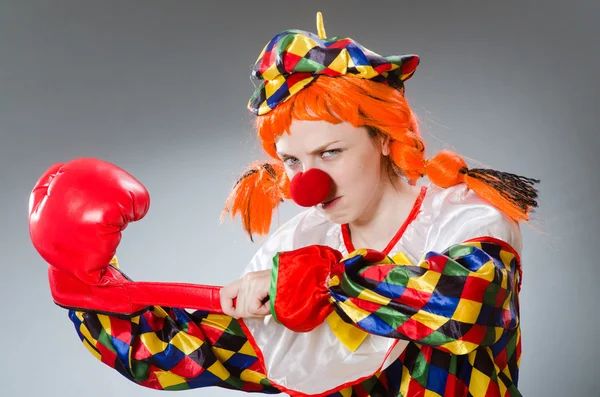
291, 161
330, 153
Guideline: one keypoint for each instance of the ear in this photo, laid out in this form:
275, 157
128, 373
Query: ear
385, 145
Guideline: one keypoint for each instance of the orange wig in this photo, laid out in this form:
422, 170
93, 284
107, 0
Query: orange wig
380, 108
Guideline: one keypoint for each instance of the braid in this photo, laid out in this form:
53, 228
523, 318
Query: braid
407, 153
256, 194
513, 194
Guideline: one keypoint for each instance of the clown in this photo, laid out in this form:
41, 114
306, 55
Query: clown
379, 288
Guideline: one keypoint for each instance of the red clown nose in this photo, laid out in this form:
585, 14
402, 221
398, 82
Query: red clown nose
311, 187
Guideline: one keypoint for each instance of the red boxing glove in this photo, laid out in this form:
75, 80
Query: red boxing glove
77, 212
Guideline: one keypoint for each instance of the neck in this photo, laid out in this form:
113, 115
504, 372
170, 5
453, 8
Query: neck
390, 207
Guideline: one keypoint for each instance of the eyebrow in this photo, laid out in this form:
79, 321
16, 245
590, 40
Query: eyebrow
316, 151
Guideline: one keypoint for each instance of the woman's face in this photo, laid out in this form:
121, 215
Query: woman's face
348, 154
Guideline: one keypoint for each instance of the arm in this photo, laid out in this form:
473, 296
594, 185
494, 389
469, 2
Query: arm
172, 349
77, 230
455, 300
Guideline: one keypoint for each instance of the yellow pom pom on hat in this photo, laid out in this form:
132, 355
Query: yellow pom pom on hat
294, 58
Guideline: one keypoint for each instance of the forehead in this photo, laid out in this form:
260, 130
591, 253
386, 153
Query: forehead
307, 135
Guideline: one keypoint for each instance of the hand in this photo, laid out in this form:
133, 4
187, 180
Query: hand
248, 296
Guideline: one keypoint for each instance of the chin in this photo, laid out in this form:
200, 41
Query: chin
337, 218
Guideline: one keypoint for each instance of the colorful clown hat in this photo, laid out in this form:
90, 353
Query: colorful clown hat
294, 58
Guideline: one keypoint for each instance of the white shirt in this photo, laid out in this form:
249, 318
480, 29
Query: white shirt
316, 362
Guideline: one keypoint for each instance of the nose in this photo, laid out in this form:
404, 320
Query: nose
311, 187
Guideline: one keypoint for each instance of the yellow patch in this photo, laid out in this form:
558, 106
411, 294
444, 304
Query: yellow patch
105, 322
479, 383
486, 271
218, 321
506, 257
426, 282
355, 313
433, 321
114, 261
248, 350
460, 347
299, 85
340, 63
92, 350
366, 72
186, 343
370, 296
248, 375
335, 280
86, 333
218, 370
153, 343
401, 259
467, 311
350, 335
168, 379
222, 354
301, 50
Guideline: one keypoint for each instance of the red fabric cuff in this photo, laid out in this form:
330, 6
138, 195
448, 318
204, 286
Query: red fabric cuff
299, 293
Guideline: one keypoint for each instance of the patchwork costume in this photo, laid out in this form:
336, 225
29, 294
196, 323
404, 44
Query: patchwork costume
439, 314
434, 314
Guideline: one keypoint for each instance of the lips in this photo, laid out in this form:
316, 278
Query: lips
329, 203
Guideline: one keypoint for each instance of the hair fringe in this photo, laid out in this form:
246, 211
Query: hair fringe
360, 102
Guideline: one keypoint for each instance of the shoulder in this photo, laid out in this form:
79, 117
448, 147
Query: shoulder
306, 228
459, 214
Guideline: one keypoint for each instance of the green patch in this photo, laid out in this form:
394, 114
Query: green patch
399, 275
459, 250
273, 286
453, 268
181, 386
235, 328
369, 384
350, 287
235, 382
308, 65
139, 370
420, 369
391, 316
490, 337
436, 339
106, 341
490, 295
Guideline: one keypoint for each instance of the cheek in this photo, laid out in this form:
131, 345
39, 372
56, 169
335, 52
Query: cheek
292, 171
342, 175
355, 173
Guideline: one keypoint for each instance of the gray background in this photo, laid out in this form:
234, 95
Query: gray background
160, 89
